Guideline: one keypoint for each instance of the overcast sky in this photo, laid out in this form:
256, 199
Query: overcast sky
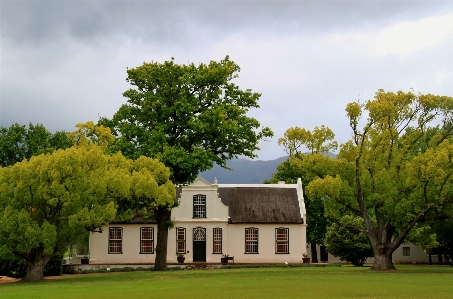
64, 62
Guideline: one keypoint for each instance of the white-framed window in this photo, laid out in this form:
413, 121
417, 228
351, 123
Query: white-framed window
180, 240
199, 206
251, 240
146, 240
406, 251
115, 240
281, 240
217, 240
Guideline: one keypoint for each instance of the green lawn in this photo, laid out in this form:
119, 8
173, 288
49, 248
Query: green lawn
301, 282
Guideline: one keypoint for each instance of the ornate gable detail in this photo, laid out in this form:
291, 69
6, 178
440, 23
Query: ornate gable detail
200, 182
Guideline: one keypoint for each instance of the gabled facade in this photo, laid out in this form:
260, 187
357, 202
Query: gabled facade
259, 223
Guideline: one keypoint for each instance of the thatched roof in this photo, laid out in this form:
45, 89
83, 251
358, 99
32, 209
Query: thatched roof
261, 204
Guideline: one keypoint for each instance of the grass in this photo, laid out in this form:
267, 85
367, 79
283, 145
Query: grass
301, 282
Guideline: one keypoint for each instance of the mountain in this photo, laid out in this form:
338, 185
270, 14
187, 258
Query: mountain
243, 171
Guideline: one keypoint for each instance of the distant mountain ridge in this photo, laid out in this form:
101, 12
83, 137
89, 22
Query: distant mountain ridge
243, 171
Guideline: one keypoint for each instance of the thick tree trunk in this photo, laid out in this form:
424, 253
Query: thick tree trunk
439, 256
35, 269
163, 216
314, 253
383, 261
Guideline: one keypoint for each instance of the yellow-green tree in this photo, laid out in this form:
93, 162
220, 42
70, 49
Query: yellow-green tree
49, 200
400, 169
308, 166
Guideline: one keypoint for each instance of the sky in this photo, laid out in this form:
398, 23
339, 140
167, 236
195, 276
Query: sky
64, 62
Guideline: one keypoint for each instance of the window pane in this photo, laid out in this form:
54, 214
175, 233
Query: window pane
180, 240
115, 240
147, 233
115, 246
251, 240
406, 251
282, 240
199, 206
147, 246
181, 246
147, 240
217, 239
181, 234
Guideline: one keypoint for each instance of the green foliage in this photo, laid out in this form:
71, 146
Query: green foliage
314, 141
397, 168
186, 116
52, 200
19, 142
349, 245
55, 266
10, 264
308, 167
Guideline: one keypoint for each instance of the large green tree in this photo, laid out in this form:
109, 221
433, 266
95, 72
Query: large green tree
400, 170
19, 142
188, 117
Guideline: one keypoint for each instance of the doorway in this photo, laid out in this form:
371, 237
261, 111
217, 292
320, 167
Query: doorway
199, 244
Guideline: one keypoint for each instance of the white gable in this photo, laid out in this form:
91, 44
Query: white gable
200, 182
215, 210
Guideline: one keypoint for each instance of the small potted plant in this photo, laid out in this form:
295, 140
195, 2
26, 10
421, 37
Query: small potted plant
224, 259
85, 260
305, 258
180, 257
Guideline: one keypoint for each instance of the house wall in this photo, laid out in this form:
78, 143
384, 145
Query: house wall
266, 243
233, 235
189, 226
99, 242
233, 243
416, 255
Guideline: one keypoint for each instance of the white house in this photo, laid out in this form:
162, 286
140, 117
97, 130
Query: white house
256, 223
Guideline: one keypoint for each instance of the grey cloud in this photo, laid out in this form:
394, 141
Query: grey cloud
64, 62
169, 21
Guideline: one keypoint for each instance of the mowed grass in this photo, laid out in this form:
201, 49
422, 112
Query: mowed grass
301, 282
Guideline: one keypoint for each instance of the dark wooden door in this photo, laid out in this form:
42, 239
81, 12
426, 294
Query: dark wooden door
199, 244
324, 254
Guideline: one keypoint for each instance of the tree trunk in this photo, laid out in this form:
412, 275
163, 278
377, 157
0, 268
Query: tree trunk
430, 260
314, 253
439, 256
383, 261
163, 216
35, 268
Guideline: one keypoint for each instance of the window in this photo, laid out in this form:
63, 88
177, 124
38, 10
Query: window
180, 240
217, 239
146, 240
281, 240
115, 240
251, 240
199, 206
406, 251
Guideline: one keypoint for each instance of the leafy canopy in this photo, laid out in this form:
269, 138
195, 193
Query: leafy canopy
398, 168
19, 142
308, 167
51, 199
187, 116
